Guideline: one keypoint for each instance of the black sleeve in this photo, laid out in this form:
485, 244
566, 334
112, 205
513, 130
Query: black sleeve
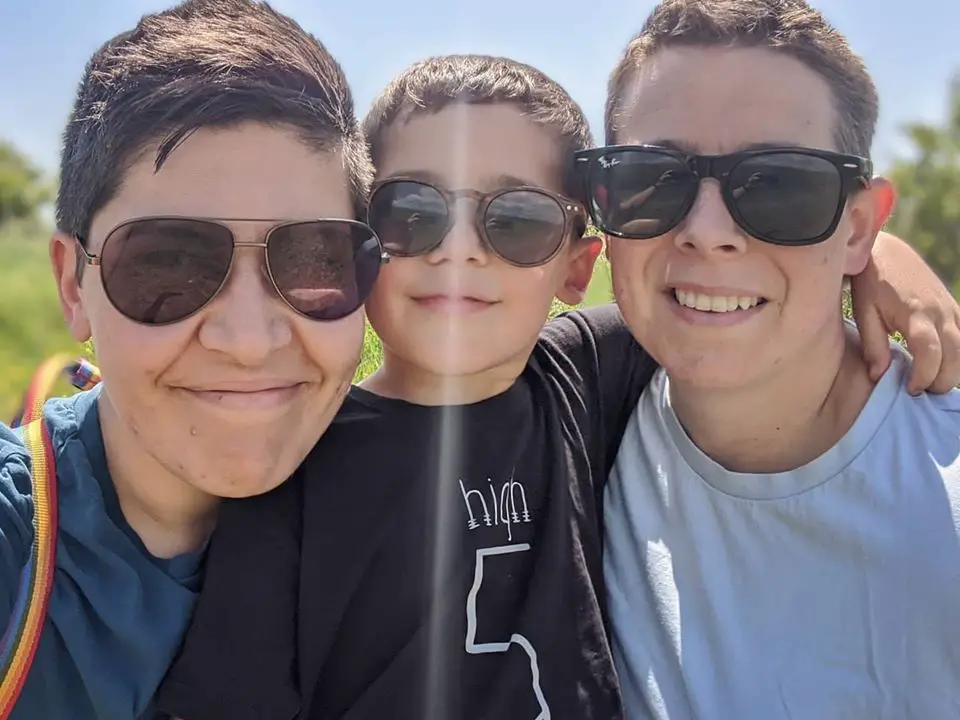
602, 361
238, 660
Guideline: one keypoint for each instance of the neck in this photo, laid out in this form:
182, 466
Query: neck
169, 515
784, 421
400, 379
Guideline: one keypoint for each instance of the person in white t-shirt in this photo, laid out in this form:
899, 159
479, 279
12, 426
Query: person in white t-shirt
781, 528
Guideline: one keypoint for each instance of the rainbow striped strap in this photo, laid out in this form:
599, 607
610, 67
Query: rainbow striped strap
20, 641
82, 375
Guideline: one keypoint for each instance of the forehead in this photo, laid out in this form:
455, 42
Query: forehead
248, 171
719, 100
473, 145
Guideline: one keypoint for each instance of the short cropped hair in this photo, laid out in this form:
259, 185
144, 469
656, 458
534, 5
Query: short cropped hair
202, 63
791, 27
433, 84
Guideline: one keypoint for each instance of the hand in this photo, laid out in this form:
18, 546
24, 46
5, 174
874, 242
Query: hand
898, 292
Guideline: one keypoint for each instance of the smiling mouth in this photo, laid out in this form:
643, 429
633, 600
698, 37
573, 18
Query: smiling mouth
716, 303
453, 302
256, 398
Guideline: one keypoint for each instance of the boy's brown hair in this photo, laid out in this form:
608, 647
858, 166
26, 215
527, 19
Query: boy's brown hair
432, 84
202, 63
791, 27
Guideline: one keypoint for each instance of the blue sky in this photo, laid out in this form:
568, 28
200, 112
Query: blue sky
911, 46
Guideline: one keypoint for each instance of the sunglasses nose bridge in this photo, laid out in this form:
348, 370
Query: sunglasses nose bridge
465, 208
464, 239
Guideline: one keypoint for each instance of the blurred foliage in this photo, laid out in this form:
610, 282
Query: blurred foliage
23, 190
928, 184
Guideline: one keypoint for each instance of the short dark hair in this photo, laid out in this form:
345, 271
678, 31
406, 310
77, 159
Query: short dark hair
202, 63
432, 84
791, 27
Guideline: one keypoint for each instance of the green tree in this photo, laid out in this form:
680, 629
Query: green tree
23, 189
928, 210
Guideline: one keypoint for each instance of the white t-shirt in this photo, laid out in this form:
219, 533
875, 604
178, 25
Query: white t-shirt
830, 592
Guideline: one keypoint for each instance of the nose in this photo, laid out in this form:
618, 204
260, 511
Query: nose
463, 243
248, 320
709, 229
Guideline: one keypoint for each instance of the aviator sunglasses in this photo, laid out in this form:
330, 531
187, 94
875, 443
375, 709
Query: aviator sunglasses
161, 270
783, 195
524, 226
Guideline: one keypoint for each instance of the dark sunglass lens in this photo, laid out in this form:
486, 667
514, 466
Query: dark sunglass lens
157, 271
524, 227
410, 218
640, 193
787, 198
325, 269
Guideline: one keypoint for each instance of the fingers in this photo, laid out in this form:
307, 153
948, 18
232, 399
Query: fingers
923, 340
874, 339
949, 375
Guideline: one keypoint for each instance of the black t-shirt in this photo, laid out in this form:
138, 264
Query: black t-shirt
428, 563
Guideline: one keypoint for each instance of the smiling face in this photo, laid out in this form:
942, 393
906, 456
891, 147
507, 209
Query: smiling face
232, 398
716, 307
460, 310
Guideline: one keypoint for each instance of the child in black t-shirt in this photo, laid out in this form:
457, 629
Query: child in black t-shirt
438, 555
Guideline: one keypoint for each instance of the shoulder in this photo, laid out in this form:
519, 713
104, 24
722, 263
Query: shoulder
16, 476
925, 425
575, 328
933, 415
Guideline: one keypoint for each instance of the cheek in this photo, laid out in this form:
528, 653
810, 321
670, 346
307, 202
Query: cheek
137, 353
814, 282
634, 286
334, 348
133, 359
530, 291
390, 284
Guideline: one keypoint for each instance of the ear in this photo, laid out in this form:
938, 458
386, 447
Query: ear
64, 252
580, 261
869, 210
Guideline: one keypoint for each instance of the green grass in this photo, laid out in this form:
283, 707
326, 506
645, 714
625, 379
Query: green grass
32, 327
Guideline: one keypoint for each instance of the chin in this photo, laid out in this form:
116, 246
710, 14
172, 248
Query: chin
707, 371
459, 365
242, 486
242, 475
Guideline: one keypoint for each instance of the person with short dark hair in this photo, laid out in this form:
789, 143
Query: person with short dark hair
781, 528
207, 243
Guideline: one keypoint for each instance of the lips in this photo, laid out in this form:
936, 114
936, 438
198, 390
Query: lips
453, 303
243, 386
252, 398
717, 303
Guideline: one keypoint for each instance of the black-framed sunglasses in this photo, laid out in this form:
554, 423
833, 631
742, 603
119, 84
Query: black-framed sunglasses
161, 270
524, 226
782, 195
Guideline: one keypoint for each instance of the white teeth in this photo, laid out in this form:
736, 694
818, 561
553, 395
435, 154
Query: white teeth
714, 303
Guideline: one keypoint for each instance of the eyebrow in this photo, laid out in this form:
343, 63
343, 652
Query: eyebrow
501, 181
691, 148
424, 175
